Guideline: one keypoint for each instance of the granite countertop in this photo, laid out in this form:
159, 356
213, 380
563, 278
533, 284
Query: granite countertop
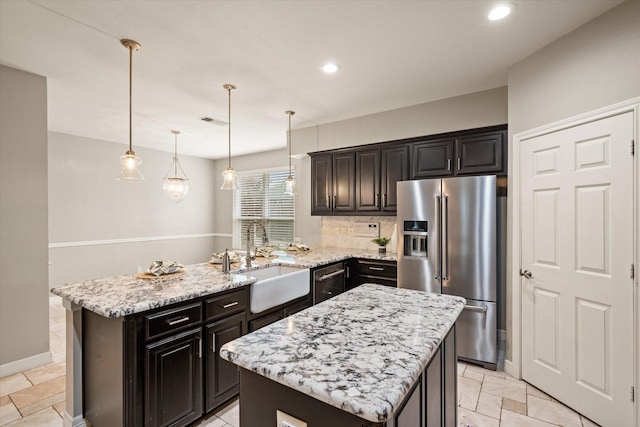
360, 351
123, 295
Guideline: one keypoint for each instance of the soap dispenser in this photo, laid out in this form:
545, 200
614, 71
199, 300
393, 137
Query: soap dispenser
226, 262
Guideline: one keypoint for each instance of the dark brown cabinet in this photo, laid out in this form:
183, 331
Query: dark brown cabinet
395, 167
368, 181
260, 320
162, 367
377, 172
473, 154
362, 180
333, 183
373, 271
173, 369
430, 159
480, 153
222, 378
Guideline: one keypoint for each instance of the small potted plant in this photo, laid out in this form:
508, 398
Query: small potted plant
382, 243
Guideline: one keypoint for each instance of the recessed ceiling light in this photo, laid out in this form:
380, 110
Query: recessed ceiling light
330, 68
501, 11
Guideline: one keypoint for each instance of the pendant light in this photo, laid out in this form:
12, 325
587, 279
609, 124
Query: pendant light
130, 162
229, 174
177, 185
290, 183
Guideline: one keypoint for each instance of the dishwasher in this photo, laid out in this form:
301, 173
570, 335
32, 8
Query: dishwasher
328, 281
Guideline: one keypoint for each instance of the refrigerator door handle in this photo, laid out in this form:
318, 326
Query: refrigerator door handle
445, 238
481, 309
438, 217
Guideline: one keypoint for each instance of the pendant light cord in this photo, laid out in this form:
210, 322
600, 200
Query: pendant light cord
229, 89
289, 143
175, 163
130, 96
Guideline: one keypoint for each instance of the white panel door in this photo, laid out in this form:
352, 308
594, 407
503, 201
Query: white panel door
577, 243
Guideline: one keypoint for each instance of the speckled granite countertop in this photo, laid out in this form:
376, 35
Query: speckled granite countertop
360, 351
123, 295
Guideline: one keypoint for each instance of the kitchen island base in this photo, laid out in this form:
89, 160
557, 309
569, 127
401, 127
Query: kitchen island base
431, 401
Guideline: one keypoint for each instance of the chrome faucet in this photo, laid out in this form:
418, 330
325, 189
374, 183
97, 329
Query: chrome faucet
265, 240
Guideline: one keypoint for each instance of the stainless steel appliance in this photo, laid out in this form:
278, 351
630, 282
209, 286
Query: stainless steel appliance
328, 281
447, 244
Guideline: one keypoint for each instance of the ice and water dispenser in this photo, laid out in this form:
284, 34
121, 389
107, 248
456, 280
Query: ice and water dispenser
415, 235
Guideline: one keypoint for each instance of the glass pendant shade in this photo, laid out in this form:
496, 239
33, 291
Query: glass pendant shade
130, 162
230, 182
130, 167
176, 185
290, 186
176, 188
290, 183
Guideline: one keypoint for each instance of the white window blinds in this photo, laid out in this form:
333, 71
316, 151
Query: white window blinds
260, 197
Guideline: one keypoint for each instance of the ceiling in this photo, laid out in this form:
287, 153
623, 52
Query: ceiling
392, 53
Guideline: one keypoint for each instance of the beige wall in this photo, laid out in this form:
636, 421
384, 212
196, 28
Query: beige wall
101, 227
473, 110
592, 67
24, 302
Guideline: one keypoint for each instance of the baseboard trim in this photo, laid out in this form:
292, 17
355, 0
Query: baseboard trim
508, 367
25, 364
69, 421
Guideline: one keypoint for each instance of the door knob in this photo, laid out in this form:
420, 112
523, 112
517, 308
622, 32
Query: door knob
526, 274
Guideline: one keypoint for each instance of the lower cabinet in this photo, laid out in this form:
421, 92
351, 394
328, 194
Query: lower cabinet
381, 272
173, 370
161, 367
221, 377
260, 320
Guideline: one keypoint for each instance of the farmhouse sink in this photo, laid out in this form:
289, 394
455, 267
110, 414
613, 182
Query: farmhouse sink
277, 285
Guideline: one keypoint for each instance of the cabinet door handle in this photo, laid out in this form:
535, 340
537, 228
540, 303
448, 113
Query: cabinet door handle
231, 304
327, 276
459, 163
376, 268
213, 342
199, 347
378, 200
334, 203
329, 202
448, 164
177, 320
384, 204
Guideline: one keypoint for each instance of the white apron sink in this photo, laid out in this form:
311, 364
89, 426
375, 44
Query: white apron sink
277, 285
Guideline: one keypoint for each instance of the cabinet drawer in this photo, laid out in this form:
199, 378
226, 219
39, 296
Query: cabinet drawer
226, 304
172, 320
374, 268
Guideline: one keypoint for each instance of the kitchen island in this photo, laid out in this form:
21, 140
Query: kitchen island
121, 332
373, 356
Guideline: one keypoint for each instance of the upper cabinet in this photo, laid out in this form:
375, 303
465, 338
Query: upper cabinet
362, 180
332, 183
433, 158
480, 153
474, 154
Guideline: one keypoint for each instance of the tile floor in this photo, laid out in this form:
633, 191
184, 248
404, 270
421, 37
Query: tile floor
485, 398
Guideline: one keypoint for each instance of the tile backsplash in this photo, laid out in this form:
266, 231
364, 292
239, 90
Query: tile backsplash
337, 231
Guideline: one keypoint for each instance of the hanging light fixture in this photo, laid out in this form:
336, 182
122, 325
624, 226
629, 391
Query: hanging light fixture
177, 185
229, 174
130, 162
290, 183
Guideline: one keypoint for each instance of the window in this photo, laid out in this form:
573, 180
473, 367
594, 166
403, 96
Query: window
260, 197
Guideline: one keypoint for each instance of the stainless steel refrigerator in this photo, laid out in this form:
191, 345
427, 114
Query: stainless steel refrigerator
447, 243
